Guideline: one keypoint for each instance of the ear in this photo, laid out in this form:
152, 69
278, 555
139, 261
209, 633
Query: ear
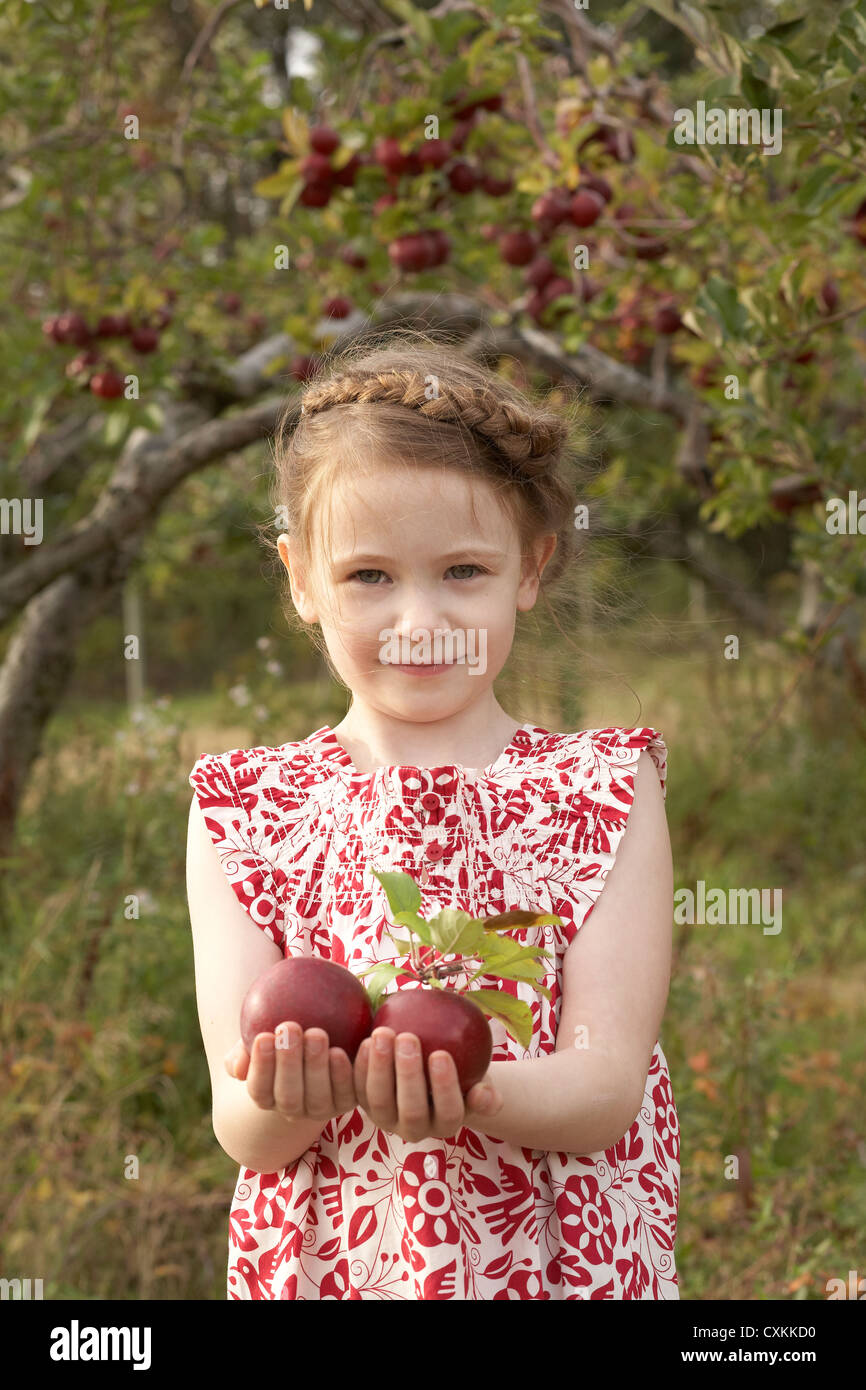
290, 556
527, 593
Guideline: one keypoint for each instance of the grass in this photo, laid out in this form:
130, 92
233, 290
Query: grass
115, 1185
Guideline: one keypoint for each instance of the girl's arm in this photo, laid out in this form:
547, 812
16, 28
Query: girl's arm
230, 952
259, 1139
584, 1096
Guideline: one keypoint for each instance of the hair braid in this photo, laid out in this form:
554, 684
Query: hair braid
525, 440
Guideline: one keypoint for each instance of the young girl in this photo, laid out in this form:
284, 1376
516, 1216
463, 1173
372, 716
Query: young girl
422, 495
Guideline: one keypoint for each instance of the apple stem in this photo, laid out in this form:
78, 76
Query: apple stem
440, 971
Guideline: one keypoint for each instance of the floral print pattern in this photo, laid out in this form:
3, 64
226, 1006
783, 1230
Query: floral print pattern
364, 1214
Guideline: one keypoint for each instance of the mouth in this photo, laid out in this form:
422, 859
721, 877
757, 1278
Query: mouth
425, 668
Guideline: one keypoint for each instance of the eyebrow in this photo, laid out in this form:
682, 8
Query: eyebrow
476, 550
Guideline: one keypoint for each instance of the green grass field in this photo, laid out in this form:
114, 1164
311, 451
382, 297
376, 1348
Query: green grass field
115, 1186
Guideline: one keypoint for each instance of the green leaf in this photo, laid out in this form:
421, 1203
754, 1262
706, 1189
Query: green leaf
521, 917
515, 1014
454, 932
415, 924
502, 950
116, 428
400, 943
720, 300
416, 19
448, 29
786, 30
401, 890
757, 92
41, 406
378, 976
809, 193
277, 184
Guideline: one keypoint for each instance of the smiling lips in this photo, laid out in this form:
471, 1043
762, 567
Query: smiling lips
426, 669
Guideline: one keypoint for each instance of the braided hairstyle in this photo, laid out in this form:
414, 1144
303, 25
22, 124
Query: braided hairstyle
527, 439
413, 401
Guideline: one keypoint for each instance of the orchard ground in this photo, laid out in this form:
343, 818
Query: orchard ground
763, 1035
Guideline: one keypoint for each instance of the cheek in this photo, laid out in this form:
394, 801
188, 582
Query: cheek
360, 641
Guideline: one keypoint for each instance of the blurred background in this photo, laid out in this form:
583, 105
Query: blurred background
198, 201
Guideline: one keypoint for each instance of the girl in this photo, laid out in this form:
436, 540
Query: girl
423, 501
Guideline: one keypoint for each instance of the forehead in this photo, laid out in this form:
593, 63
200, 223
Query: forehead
396, 501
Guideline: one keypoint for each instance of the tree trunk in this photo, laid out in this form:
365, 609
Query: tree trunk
38, 664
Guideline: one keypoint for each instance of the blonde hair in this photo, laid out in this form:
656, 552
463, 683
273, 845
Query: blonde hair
418, 402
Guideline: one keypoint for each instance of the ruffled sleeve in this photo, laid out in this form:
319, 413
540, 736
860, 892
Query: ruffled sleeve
621, 749
231, 792
610, 770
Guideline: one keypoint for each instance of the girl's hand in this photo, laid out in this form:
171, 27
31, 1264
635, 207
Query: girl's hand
288, 1074
392, 1089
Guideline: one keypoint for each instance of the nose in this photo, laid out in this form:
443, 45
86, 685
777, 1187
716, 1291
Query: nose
418, 613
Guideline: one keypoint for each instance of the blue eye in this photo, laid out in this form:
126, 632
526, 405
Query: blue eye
358, 573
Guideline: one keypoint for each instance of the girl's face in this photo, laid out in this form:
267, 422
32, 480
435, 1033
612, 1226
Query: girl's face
410, 581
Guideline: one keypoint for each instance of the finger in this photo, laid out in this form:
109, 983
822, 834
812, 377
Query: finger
476, 1094
449, 1110
342, 1087
381, 1091
413, 1111
318, 1099
359, 1073
289, 1072
237, 1061
260, 1080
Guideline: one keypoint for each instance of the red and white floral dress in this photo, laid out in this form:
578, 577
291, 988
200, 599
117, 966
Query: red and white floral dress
364, 1214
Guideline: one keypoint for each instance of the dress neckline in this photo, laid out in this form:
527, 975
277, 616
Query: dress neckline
327, 739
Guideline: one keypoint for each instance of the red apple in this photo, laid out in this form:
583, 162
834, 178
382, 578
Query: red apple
412, 251
462, 177
461, 132
552, 207
113, 326
51, 328
316, 168
598, 185
517, 248
555, 287
666, 318
77, 366
302, 368
108, 384
586, 207
496, 188
323, 139
71, 328
443, 1020
539, 272
338, 307
858, 223
345, 175
388, 153
829, 295
434, 152
144, 339
315, 195
314, 993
